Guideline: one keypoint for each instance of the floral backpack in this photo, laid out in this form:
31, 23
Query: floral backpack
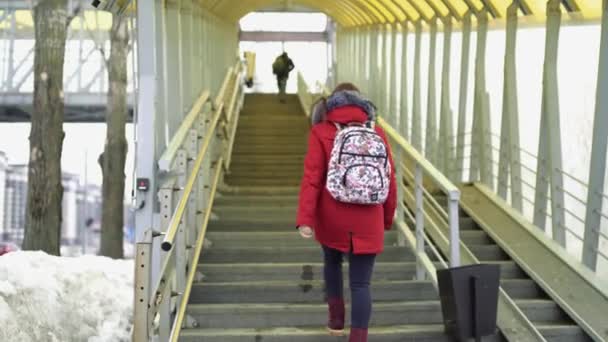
359, 169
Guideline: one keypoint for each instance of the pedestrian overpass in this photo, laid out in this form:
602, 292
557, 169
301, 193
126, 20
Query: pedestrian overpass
217, 255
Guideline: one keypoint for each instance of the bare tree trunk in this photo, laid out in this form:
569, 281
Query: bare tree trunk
112, 160
45, 191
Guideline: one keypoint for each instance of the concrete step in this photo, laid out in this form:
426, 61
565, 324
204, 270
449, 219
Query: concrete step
467, 223
261, 201
258, 316
271, 239
563, 333
312, 291
312, 253
281, 271
256, 148
262, 190
475, 237
303, 291
262, 182
488, 252
522, 289
542, 310
411, 333
274, 159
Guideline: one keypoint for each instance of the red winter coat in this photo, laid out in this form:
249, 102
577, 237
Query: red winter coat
337, 225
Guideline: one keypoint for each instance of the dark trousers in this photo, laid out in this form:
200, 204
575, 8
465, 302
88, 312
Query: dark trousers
361, 267
282, 84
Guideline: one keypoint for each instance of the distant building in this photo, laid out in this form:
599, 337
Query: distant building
3, 168
15, 201
81, 205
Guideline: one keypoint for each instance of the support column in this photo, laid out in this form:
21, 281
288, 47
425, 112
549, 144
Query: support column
509, 143
550, 144
404, 115
384, 70
185, 27
416, 122
393, 91
446, 142
430, 147
173, 66
373, 65
462, 102
145, 164
481, 149
597, 169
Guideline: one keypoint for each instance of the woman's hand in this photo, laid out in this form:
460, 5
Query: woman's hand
305, 232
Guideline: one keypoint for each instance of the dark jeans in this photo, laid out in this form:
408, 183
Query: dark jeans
282, 83
360, 274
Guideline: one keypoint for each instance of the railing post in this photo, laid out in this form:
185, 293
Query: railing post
420, 248
454, 222
141, 321
180, 239
597, 169
165, 195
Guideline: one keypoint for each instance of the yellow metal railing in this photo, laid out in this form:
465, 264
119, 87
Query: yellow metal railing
191, 167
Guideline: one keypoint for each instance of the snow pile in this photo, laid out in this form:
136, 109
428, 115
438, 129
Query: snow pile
47, 298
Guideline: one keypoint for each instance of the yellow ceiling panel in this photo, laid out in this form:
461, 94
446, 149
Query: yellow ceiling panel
439, 7
366, 12
411, 12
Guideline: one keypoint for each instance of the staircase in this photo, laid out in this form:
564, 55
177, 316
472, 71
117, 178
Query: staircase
261, 281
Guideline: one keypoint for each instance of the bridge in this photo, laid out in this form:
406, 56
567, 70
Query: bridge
217, 256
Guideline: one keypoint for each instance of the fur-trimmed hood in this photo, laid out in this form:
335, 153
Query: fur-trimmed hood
342, 99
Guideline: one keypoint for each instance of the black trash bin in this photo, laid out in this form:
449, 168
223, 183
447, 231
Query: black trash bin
469, 300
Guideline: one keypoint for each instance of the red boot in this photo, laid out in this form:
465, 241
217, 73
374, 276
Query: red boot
358, 335
335, 323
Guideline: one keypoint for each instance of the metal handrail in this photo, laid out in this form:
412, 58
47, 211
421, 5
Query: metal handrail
440, 179
183, 202
181, 313
166, 160
424, 167
194, 205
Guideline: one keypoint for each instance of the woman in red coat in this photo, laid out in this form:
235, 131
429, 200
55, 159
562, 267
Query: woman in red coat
356, 230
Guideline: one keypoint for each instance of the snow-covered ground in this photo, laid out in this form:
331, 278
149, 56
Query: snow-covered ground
47, 298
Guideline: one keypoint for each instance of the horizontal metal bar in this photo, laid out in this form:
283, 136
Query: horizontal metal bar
183, 202
573, 178
430, 197
580, 238
573, 196
526, 183
572, 214
432, 172
166, 160
602, 194
181, 313
527, 168
265, 36
222, 93
601, 214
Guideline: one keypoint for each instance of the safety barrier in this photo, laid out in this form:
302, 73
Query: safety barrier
191, 169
